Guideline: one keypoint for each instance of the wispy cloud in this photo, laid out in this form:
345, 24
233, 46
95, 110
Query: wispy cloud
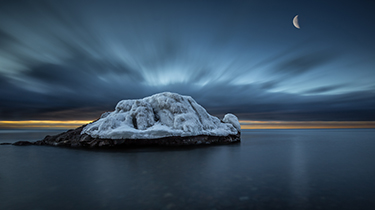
64, 60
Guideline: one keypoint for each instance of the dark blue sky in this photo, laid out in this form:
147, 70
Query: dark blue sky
77, 59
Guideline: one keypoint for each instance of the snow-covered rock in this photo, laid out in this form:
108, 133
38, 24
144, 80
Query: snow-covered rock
165, 119
158, 116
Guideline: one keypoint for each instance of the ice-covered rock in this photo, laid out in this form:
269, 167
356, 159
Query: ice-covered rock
158, 116
165, 119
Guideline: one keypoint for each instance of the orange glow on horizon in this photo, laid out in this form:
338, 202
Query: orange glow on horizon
50, 124
245, 124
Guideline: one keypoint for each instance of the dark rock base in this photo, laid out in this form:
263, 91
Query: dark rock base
73, 138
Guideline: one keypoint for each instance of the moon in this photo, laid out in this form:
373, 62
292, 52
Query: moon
295, 22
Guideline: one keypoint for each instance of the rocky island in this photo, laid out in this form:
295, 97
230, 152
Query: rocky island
164, 119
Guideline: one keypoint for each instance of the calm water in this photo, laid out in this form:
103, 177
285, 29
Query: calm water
269, 169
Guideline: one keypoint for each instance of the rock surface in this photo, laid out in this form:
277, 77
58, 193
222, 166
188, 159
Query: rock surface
165, 119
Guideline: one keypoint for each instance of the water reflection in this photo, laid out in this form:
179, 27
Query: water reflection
267, 170
299, 174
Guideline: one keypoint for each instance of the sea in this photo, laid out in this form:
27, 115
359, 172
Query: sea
269, 169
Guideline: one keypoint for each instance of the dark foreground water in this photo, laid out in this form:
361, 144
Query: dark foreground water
269, 169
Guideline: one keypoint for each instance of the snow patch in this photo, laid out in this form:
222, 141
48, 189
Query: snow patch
160, 115
231, 118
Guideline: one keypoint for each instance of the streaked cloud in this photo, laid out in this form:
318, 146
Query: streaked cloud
73, 60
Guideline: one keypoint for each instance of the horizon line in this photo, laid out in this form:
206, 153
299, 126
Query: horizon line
245, 124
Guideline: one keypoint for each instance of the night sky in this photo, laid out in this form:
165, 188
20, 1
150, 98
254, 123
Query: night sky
65, 60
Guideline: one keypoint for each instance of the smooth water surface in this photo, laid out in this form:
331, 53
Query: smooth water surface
269, 169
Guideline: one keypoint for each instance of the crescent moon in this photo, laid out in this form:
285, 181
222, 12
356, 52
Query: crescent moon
295, 22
